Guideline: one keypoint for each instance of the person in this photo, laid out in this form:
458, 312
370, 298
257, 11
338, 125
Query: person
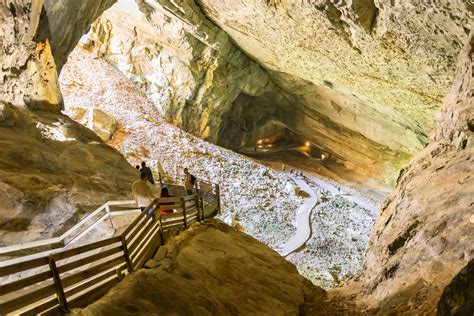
148, 173
189, 181
165, 194
137, 167
283, 167
291, 172
142, 192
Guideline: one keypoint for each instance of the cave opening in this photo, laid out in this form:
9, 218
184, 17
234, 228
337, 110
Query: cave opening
304, 126
127, 83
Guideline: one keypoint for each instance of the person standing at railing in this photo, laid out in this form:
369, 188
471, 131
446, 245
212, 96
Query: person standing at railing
189, 181
142, 192
147, 171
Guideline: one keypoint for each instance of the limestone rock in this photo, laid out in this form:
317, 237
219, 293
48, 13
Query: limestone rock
201, 82
36, 37
218, 272
43, 92
102, 123
386, 65
458, 296
423, 236
151, 264
53, 171
6, 114
160, 254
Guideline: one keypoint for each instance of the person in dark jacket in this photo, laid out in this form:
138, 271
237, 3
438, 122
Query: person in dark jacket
146, 170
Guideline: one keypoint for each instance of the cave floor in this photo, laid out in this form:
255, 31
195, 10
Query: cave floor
329, 174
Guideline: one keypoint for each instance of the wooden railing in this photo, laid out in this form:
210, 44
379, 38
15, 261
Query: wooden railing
74, 233
107, 210
75, 277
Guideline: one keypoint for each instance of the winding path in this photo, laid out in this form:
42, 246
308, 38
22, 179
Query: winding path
303, 226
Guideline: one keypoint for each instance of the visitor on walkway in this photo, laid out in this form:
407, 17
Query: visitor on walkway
142, 193
189, 181
148, 173
137, 167
165, 194
291, 172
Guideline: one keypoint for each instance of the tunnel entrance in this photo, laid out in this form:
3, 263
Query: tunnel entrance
267, 128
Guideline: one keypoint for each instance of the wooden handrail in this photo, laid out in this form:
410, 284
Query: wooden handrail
59, 242
83, 272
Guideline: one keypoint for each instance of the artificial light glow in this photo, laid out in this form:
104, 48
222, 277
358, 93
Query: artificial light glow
323, 156
259, 141
307, 144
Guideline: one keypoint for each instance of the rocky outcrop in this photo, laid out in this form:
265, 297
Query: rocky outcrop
187, 65
424, 234
245, 278
52, 172
102, 123
36, 37
378, 68
52, 169
458, 296
359, 79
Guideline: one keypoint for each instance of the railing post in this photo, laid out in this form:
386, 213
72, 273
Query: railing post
107, 209
218, 193
183, 203
126, 254
57, 283
198, 207
161, 232
160, 179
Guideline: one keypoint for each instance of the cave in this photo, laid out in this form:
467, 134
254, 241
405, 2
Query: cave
336, 134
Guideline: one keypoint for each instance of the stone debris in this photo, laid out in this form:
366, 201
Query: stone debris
151, 264
161, 253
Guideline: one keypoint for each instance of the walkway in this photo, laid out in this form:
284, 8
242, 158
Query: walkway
303, 226
348, 196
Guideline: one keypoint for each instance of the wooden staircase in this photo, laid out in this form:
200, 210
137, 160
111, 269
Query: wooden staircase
71, 278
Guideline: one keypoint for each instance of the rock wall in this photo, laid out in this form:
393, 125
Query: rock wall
52, 169
198, 78
190, 69
246, 278
36, 36
424, 234
378, 68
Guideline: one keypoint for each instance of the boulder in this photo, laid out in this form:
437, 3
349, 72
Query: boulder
6, 115
102, 123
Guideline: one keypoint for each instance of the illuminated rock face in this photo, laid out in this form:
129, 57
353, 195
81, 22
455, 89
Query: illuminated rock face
359, 79
395, 60
424, 234
36, 37
52, 169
